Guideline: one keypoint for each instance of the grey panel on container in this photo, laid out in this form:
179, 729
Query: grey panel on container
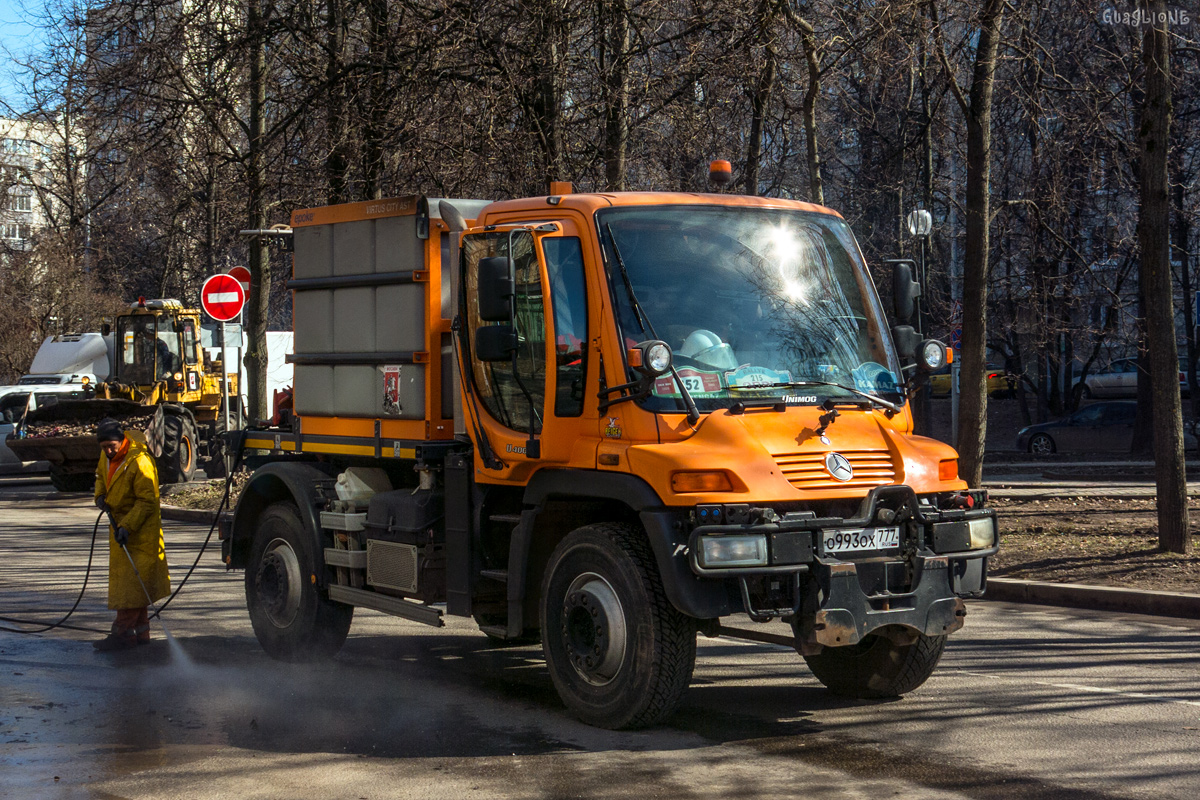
313, 311
397, 248
314, 390
356, 391
314, 251
400, 317
411, 392
353, 248
354, 320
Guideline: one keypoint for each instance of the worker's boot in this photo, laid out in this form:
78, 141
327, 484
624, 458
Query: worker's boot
119, 639
142, 633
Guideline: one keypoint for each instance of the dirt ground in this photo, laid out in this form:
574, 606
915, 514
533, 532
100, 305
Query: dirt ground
1093, 540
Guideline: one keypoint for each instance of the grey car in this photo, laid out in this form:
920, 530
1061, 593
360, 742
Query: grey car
1105, 426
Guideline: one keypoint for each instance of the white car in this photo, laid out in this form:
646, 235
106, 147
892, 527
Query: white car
1119, 379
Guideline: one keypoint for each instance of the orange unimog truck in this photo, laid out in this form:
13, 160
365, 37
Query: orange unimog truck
608, 421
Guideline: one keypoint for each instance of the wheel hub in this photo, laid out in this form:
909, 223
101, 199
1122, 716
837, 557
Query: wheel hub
277, 582
593, 629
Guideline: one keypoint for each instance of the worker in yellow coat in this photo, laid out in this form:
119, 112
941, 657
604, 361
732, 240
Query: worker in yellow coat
127, 485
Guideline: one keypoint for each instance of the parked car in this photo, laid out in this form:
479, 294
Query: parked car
1119, 379
1107, 425
999, 382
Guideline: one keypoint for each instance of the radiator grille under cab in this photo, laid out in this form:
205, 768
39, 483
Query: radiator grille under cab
808, 471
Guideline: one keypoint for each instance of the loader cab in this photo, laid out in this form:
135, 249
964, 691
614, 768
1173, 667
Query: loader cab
156, 343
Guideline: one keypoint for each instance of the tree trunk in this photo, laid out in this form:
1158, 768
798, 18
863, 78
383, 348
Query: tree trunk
972, 409
337, 161
615, 54
760, 99
255, 312
816, 186
1154, 242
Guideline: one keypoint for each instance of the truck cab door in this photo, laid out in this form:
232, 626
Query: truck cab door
528, 404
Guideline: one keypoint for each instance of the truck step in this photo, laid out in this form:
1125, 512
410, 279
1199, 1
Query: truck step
498, 575
515, 519
495, 631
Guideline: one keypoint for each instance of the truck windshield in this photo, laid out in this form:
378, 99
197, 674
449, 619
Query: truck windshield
753, 302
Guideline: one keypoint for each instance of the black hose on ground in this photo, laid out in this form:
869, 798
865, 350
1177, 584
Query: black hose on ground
82, 589
237, 462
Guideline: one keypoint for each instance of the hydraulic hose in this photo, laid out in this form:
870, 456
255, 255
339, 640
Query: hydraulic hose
82, 589
91, 552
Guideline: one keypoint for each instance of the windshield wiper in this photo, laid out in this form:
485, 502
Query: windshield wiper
892, 407
693, 413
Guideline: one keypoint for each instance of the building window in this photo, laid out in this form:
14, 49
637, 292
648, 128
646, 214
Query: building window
20, 202
18, 146
13, 230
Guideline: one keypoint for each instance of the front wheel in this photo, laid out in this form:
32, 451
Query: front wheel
1041, 445
877, 666
620, 655
291, 619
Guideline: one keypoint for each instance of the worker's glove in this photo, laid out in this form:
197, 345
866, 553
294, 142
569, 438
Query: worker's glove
100, 502
122, 536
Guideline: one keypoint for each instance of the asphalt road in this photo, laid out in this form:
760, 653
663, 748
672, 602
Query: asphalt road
1027, 702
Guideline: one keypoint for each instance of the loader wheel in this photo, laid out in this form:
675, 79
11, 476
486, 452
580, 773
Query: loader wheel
178, 461
214, 461
291, 618
620, 655
72, 481
877, 666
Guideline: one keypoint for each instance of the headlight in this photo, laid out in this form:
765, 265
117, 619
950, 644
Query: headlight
651, 358
733, 551
983, 533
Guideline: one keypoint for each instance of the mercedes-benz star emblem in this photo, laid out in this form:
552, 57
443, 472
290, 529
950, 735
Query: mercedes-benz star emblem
839, 467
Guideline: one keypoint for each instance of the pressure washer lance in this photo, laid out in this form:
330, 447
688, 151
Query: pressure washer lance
137, 574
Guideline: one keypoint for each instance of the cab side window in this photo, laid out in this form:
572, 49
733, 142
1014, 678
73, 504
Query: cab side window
568, 300
499, 387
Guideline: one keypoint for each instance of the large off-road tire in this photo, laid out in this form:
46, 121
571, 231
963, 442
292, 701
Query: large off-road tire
877, 666
177, 464
292, 620
214, 459
72, 481
620, 655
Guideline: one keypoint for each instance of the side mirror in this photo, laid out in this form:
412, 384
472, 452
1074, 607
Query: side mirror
495, 342
105, 329
907, 341
905, 290
496, 289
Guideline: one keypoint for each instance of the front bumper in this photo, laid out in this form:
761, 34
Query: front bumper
839, 599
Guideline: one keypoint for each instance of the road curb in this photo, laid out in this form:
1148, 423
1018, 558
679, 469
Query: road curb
180, 514
1099, 598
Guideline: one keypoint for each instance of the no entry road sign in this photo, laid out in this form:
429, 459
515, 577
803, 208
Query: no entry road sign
242, 276
222, 297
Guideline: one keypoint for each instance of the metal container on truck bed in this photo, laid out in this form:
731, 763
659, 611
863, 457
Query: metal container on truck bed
373, 357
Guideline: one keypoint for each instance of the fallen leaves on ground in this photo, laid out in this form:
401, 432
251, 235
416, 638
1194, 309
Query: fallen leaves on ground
1092, 540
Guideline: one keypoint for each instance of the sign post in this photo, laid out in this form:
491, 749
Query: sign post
222, 298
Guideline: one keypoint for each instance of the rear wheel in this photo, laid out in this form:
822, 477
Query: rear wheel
877, 666
291, 619
177, 464
620, 655
72, 481
1041, 444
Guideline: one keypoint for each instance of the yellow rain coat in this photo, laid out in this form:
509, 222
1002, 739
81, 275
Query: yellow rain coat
132, 495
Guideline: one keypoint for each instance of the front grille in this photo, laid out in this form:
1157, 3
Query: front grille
806, 471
